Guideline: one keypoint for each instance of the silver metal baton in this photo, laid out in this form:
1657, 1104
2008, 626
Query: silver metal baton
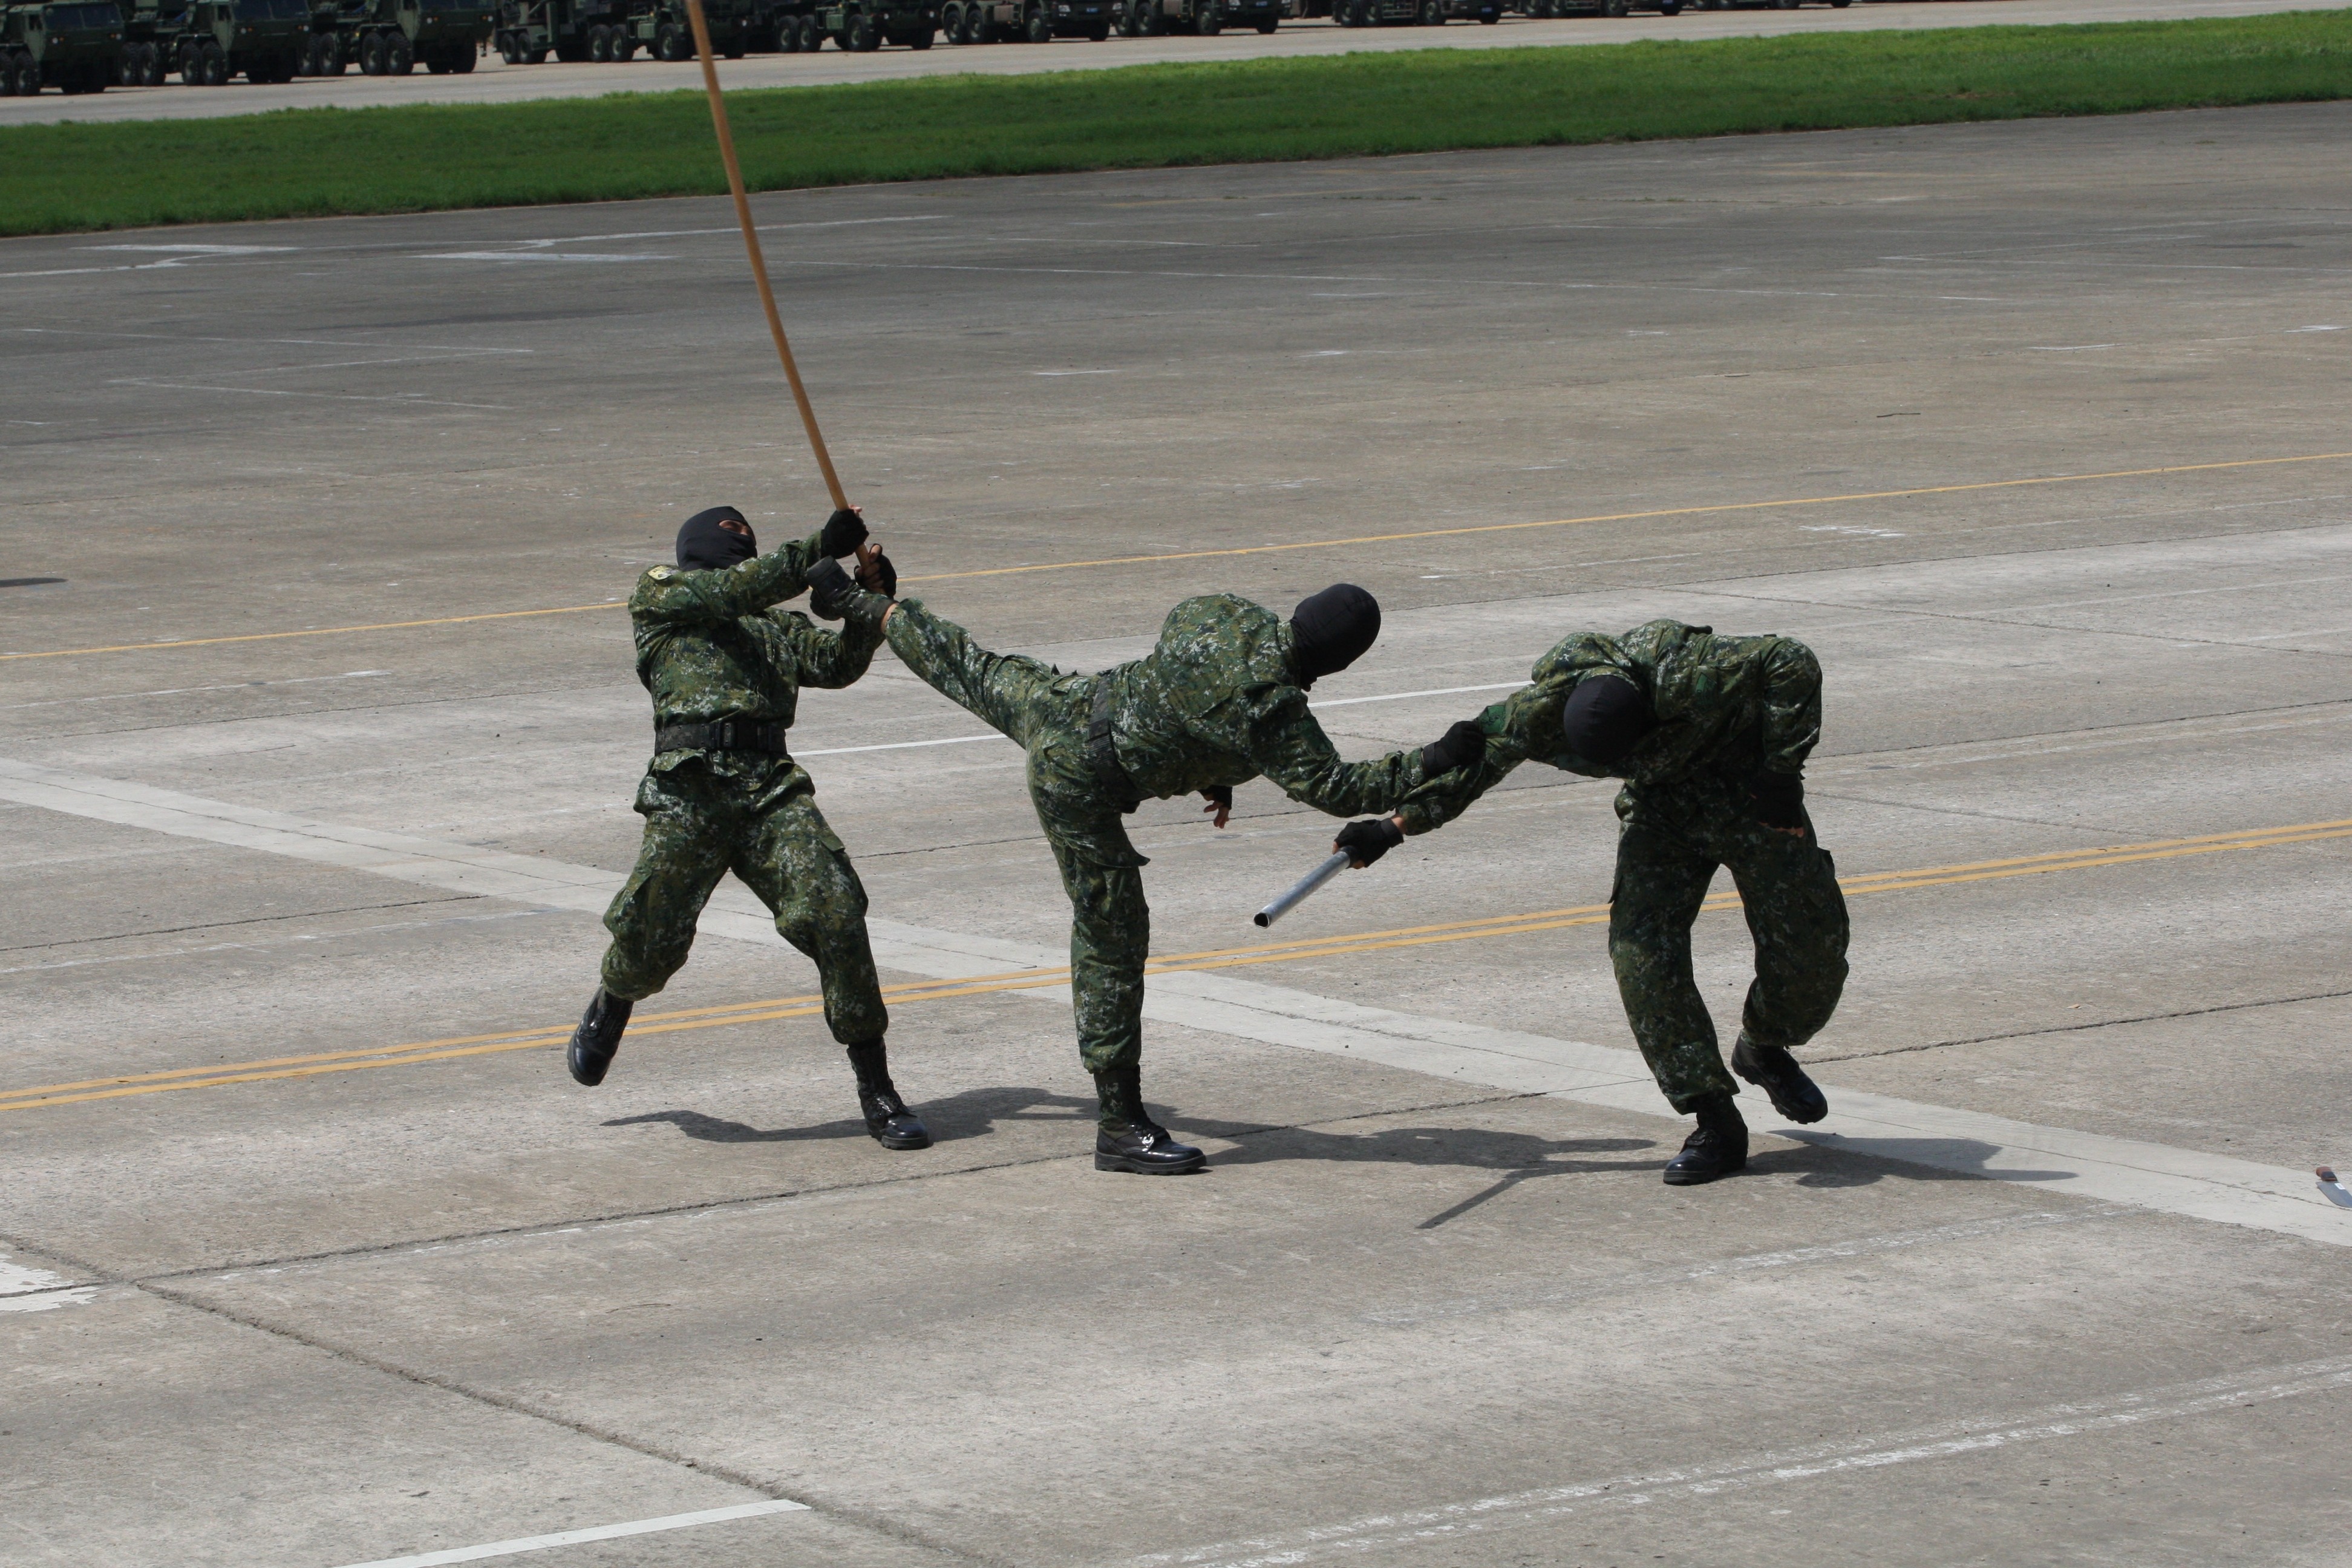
1303, 889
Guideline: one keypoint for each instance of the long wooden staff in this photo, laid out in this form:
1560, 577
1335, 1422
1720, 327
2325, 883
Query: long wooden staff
751, 244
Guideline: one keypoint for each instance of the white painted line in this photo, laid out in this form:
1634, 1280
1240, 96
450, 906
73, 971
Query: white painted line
1432, 691
1454, 1523
899, 745
535, 256
598, 1533
29, 1289
967, 739
2078, 1165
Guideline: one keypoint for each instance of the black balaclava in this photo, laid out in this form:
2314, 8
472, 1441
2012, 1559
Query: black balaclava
704, 546
1605, 717
1334, 627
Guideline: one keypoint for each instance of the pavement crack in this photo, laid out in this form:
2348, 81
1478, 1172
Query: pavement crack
2087, 1026
533, 1410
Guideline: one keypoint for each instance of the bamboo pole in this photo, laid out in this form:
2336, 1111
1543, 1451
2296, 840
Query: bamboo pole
751, 244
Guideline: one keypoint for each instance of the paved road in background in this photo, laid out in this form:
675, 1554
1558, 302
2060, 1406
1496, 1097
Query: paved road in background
496, 82
2035, 431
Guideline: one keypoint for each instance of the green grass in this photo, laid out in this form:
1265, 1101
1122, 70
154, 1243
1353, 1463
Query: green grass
313, 161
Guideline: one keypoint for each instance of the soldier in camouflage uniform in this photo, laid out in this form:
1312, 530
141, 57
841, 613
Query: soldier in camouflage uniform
1710, 734
725, 665
1220, 700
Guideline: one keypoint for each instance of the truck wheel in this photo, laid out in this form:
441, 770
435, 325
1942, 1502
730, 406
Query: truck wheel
1612, 7
923, 37
1209, 19
1432, 13
600, 44
12, 77
467, 54
398, 61
1098, 33
370, 54
1038, 28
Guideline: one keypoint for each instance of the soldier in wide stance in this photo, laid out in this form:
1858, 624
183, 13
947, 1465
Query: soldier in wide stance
725, 665
1220, 700
1710, 734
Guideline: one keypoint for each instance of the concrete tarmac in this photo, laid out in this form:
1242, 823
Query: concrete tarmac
494, 81
317, 732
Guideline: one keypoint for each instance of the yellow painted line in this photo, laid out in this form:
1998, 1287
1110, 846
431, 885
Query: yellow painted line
1264, 549
453, 1046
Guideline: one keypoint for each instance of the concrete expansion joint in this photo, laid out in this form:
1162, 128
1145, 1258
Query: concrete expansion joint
2097, 830
2089, 1024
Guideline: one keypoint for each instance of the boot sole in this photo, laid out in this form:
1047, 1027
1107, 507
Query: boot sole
580, 1074
1693, 1179
922, 1143
1803, 1116
1115, 1163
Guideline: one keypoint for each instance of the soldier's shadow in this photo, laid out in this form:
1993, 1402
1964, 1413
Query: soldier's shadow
974, 1113
1519, 1157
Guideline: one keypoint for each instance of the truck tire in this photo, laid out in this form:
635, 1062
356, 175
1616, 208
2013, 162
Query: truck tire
600, 43
1269, 24
467, 55
859, 37
12, 77
370, 54
1208, 18
1618, 7
398, 58
1099, 33
1039, 27
920, 38
1670, 7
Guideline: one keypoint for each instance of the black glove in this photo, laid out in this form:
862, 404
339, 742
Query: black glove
1463, 743
879, 576
1368, 840
829, 587
1777, 800
845, 530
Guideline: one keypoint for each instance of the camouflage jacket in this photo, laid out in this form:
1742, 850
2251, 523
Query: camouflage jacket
1725, 708
1218, 702
713, 645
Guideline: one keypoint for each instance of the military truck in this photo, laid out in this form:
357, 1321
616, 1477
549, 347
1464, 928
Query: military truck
660, 28
393, 37
529, 30
1029, 21
860, 26
1415, 13
75, 47
1151, 18
209, 41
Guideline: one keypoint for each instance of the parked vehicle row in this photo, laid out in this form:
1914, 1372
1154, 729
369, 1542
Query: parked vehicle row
88, 45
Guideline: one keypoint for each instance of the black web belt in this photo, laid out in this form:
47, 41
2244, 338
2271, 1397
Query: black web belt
764, 735
1102, 756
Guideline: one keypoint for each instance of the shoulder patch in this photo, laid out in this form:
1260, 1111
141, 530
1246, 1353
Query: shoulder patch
662, 573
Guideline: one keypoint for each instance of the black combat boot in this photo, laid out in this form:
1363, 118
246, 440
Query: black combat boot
1717, 1149
1128, 1140
1776, 1072
886, 1116
598, 1037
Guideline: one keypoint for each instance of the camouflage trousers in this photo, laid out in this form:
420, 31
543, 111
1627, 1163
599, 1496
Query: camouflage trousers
756, 816
1044, 711
1666, 856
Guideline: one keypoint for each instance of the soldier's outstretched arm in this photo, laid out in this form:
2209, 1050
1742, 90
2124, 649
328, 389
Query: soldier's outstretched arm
673, 596
828, 658
1287, 745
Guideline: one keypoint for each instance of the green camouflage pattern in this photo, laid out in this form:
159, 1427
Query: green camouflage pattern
1727, 707
714, 645
757, 816
1210, 705
1667, 853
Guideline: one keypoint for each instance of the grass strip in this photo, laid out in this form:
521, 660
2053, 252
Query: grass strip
316, 162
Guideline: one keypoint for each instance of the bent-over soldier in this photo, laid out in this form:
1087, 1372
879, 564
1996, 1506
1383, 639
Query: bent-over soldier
1710, 734
1221, 700
725, 666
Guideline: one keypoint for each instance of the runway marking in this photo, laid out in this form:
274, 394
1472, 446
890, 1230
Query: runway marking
595, 1533
968, 739
1243, 550
2216, 1188
728, 1016
1456, 1523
